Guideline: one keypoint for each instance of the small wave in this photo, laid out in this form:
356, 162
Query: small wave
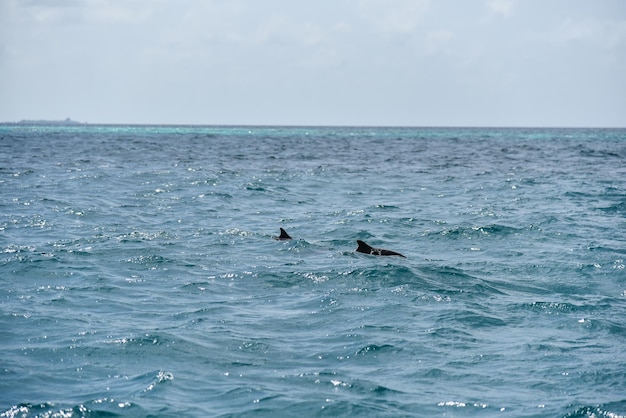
600, 324
140, 236
456, 280
104, 407
236, 232
462, 404
367, 387
492, 230
150, 260
316, 278
477, 319
361, 408
598, 411
567, 307
385, 274
617, 208
598, 153
371, 348
451, 334
602, 248
141, 341
161, 377
386, 207
222, 195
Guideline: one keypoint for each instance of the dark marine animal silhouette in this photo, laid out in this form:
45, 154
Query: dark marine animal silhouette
283, 235
368, 249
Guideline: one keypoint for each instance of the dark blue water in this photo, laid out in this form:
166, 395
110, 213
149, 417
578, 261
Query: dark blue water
139, 276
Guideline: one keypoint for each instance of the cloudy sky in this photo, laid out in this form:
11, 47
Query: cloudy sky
323, 62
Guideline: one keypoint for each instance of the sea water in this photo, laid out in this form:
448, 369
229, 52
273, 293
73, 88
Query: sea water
139, 274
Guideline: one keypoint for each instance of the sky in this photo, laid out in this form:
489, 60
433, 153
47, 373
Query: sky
544, 63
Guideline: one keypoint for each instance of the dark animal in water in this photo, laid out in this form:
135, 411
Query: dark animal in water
367, 249
283, 235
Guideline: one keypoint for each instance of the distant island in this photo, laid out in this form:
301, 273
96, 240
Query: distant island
65, 122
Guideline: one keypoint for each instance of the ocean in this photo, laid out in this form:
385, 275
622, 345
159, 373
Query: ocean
140, 275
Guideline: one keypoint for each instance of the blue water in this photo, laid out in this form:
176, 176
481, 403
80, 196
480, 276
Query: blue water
139, 276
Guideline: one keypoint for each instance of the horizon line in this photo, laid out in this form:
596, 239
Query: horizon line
70, 123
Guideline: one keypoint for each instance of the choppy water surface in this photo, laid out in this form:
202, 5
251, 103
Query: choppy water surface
139, 275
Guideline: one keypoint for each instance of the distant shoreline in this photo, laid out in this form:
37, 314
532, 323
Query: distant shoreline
64, 122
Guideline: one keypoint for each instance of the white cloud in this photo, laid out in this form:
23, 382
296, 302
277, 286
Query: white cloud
605, 33
77, 11
394, 16
282, 29
501, 7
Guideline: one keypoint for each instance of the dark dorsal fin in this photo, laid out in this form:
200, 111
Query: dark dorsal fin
367, 249
283, 234
363, 247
